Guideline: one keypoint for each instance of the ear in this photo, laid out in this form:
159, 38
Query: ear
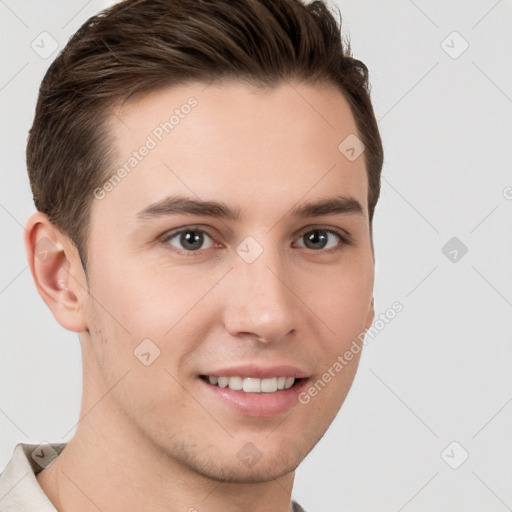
371, 315
57, 272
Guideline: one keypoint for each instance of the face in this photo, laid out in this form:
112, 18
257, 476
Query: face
195, 300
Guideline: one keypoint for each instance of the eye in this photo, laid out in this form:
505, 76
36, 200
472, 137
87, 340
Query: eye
321, 238
189, 240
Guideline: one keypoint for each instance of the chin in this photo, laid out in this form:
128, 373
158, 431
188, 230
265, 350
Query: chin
246, 465
240, 473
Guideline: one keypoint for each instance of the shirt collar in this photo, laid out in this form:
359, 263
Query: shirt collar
19, 489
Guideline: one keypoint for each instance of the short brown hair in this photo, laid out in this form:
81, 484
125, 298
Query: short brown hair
138, 46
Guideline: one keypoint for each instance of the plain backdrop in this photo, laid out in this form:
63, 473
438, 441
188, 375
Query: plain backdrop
434, 386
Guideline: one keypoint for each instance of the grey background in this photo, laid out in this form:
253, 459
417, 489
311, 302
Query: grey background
440, 371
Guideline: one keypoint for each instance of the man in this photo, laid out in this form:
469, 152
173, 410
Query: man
205, 175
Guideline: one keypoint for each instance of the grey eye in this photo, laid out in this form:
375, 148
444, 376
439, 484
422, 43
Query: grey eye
319, 239
191, 239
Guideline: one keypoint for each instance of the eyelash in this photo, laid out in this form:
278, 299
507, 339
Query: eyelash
345, 239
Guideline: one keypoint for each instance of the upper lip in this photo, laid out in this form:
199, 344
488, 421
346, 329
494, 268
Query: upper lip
261, 372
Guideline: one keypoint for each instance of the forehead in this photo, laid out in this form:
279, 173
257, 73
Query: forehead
253, 148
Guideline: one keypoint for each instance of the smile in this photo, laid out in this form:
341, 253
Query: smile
254, 390
252, 384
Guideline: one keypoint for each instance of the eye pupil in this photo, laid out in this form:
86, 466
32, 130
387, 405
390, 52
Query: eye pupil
191, 240
314, 237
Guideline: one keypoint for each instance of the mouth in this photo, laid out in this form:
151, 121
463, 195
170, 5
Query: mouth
252, 384
253, 390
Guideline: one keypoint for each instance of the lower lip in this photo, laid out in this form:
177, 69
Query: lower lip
257, 404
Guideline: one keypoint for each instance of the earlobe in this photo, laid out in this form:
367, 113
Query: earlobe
57, 272
371, 315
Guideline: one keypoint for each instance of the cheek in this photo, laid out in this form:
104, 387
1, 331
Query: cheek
146, 298
150, 394
342, 301
324, 399
146, 324
141, 373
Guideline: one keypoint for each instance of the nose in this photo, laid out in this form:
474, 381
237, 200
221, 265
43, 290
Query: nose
260, 300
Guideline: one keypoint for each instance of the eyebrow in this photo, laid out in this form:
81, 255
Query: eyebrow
183, 205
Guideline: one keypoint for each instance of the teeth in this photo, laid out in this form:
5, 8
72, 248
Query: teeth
253, 384
289, 382
269, 385
235, 383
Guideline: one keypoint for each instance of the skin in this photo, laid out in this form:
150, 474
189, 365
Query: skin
156, 440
